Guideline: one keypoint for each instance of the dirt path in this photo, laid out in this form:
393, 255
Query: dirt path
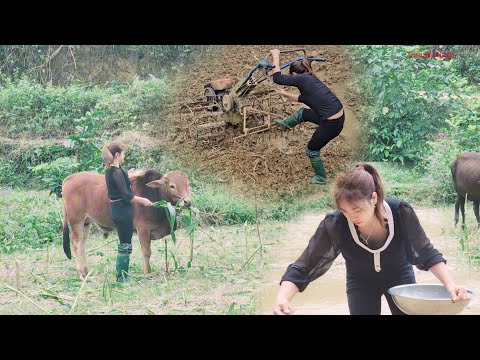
327, 294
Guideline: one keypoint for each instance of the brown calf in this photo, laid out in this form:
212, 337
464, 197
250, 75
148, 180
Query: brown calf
86, 201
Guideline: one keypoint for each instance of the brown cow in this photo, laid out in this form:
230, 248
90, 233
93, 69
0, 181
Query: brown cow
466, 180
85, 201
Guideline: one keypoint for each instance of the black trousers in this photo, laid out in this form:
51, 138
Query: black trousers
368, 302
327, 129
364, 296
122, 215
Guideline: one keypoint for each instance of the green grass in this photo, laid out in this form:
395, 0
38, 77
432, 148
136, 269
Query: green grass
227, 271
28, 219
468, 237
224, 278
404, 182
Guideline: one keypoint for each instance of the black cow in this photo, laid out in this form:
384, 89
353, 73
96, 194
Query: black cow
466, 179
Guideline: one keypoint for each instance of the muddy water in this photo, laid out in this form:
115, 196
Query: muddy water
327, 295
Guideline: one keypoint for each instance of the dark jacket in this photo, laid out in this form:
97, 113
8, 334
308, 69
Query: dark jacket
313, 93
408, 245
118, 184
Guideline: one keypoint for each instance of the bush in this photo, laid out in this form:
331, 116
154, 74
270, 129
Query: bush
51, 111
26, 106
17, 160
407, 99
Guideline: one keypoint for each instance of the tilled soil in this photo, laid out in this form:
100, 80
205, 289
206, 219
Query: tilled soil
274, 161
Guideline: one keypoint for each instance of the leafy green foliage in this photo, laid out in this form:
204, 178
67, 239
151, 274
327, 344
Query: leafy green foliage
189, 218
16, 162
407, 99
467, 60
58, 64
85, 146
52, 174
37, 220
27, 107
87, 141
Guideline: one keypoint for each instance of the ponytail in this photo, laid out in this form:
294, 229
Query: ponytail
107, 155
110, 150
308, 66
379, 188
302, 67
359, 184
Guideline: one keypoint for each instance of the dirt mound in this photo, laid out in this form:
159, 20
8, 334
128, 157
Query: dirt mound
275, 160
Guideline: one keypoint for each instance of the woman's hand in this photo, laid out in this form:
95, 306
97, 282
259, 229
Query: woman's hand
458, 293
275, 52
286, 293
283, 307
281, 92
142, 201
145, 202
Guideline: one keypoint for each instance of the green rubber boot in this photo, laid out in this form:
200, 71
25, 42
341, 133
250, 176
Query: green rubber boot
123, 262
291, 121
320, 173
317, 165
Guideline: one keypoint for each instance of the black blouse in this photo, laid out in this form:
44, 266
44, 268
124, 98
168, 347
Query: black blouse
408, 245
118, 184
313, 93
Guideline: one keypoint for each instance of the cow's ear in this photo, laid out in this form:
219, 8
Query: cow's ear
157, 183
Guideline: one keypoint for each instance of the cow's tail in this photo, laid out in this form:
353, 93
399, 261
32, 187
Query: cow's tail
454, 173
66, 235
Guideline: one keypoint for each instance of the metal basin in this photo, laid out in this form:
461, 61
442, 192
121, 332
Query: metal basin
416, 299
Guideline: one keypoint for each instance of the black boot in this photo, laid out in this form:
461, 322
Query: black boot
291, 121
123, 262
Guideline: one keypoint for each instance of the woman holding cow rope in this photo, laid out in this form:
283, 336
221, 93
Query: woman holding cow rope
121, 199
326, 110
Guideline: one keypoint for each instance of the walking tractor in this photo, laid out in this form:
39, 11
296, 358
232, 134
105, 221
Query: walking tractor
245, 103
